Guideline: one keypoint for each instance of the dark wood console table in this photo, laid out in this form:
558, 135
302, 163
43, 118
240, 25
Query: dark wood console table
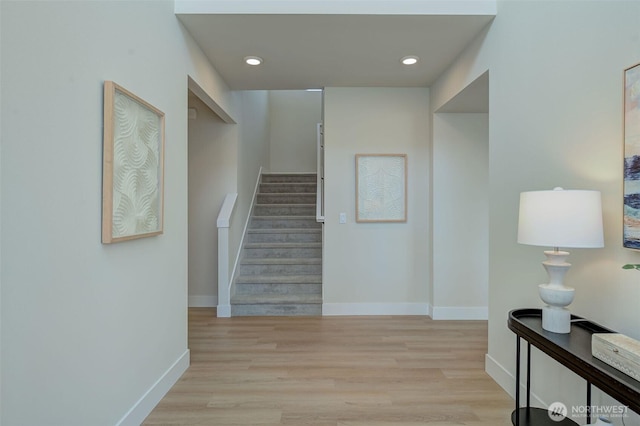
573, 351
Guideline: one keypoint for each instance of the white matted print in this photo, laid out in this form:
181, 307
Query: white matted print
381, 187
133, 167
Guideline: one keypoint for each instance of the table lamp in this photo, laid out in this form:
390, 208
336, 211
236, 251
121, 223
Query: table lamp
559, 218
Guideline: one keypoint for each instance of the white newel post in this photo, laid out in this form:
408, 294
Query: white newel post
224, 282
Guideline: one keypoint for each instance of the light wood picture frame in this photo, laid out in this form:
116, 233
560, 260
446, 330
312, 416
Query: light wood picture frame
381, 188
133, 167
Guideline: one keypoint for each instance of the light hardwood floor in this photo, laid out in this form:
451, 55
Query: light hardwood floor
334, 371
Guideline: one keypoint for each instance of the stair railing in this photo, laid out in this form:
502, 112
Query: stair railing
320, 174
224, 267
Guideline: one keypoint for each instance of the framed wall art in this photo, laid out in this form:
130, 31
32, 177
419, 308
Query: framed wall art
133, 167
631, 220
381, 187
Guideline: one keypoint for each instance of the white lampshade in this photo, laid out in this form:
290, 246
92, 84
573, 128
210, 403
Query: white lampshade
561, 218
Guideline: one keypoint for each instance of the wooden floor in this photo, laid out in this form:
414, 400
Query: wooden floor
334, 371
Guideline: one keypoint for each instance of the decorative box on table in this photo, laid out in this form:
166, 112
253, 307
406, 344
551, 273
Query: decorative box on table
619, 351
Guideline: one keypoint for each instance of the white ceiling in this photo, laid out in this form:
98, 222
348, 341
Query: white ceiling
309, 50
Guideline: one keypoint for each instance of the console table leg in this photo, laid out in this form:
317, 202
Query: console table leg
517, 381
528, 375
588, 402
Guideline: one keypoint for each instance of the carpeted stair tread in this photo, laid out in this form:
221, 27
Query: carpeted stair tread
279, 279
278, 299
287, 309
284, 230
290, 221
288, 187
284, 234
285, 217
282, 245
284, 222
290, 184
285, 205
279, 288
288, 210
288, 177
275, 198
288, 195
283, 261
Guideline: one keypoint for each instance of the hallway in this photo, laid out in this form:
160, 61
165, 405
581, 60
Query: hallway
336, 371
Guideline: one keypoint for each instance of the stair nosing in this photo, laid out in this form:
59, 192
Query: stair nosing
284, 230
291, 182
285, 205
307, 217
289, 173
281, 261
280, 279
250, 299
284, 244
285, 193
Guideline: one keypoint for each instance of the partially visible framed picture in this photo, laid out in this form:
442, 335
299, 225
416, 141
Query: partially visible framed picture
381, 187
133, 167
631, 220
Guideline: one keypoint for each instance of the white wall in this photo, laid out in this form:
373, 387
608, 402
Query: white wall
293, 116
375, 268
556, 72
253, 153
223, 158
213, 173
88, 329
460, 216
226, 158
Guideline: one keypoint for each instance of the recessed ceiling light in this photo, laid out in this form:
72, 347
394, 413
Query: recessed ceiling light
253, 60
409, 60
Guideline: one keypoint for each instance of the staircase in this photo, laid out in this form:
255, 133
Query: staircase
280, 271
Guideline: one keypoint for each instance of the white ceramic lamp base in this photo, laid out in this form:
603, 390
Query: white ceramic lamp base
555, 317
556, 320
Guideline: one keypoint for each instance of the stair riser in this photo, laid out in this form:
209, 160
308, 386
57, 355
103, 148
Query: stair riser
271, 210
276, 310
279, 188
288, 237
271, 288
278, 253
275, 198
293, 222
311, 178
280, 269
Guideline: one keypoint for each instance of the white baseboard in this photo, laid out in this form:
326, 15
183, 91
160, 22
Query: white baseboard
500, 375
460, 313
507, 381
203, 301
329, 309
141, 409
